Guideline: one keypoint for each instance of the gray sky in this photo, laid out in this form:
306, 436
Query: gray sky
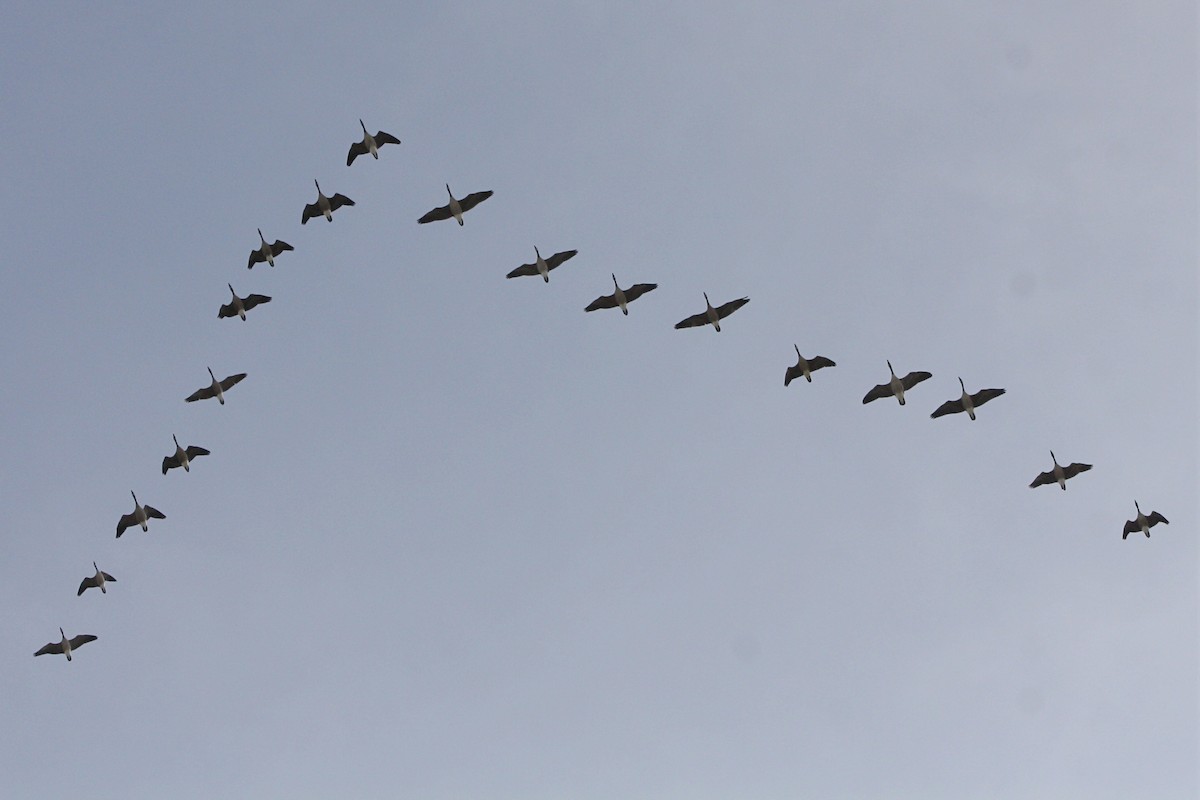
457, 538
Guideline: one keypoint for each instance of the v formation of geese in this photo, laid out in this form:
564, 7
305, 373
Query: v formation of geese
455, 208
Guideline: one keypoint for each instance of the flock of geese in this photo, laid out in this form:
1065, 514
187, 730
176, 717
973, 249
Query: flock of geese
455, 208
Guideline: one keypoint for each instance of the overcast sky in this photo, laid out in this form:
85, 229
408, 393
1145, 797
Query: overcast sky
459, 539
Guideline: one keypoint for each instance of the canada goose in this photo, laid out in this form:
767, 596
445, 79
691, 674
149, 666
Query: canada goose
967, 403
66, 645
325, 206
369, 144
182, 457
216, 389
896, 386
621, 298
712, 316
1059, 474
1143, 523
542, 266
805, 366
139, 516
267, 252
455, 208
240, 305
97, 581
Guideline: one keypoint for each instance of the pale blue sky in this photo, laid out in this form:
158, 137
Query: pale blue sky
457, 538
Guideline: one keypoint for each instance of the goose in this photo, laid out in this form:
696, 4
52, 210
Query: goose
267, 252
712, 316
1059, 474
1143, 522
139, 516
455, 208
217, 389
369, 144
66, 645
325, 206
97, 581
542, 266
805, 366
621, 298
967, 403
182, 457
896, 386
240, 305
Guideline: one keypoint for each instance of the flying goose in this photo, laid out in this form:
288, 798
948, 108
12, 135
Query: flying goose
621, 298
369, 144
240, 305
217, 389
97, 581
712, 316
139, 516
267, 252
896, 386
66, 645
182, 457
805, 366
455, 208
542, 266
1059, 474
325, 206
967, 403
1143, 523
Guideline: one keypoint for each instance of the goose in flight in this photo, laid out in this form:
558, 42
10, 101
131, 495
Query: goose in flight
369, 144
621, 298
267, 252
216, 389
896, 386
66, 645
140, 515
805, 366
712, 316
1059, 474
238, 306
182, 457
455, 208
325, 206
542, 266
967, 403
1143, 522
97, 581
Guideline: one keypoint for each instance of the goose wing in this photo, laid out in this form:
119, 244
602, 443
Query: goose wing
1131, 526
357, 149
194, 451
725, 310
127, 521
201, 394
604, 301
339, 200
254, 300
227, 310
81, 640
878, 393
151, 511
695, 320
280, 246
52, 647
108, 577
256, 257
948, 407
473, 199
983, 395
913, 378
231, 381
1043, 479
383, 137
557, 259
819, 362
791, 374
1156, 518
524, 270
439, 213
171, 462
637, 290
85, 584
1072, 470
311, 210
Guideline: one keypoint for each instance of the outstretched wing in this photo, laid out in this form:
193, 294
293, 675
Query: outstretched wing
254, 300
255, 257
913, 378
473, 199
637, 290
524, 270
357, 149
1074, 469
151, 511
127, 521
983, 395
1044, 478
280, 246
1156, 518
695, 320
1131, 526
227, 310
557, 259
441, 212
791, 374
170, 462
194, 451
53, 647
604, 301
878, 393
84, 585
339, 200
231, 381
730, 307
81, 639
311, 210
108, 577
383, 137
948, 407
201, 394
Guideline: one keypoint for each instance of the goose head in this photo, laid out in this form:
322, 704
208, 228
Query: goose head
960, 383
706, 300
210, 373
364, 127
96, 568
177, 447
230, 285
260, 236
797, 351
449, 192
614, 277
1052, 458
890, 369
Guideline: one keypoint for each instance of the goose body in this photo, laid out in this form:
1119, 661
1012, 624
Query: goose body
896, 387
267, 252
141, 515
455, 208
542, 266
97, 581
325, 206
66, 645
216, 389
182, 457
967, 402
238, 306
621, 298
712, 316
1143, 522
369, 144
805, 366
1059, 474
